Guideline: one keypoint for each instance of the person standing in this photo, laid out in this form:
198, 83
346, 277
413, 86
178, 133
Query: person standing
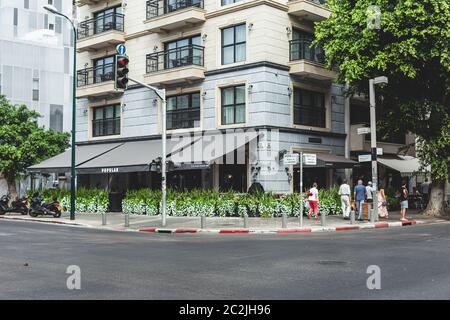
313, 200
369, 192
344, 192
360, 196
425, 190
382, 204
403, 202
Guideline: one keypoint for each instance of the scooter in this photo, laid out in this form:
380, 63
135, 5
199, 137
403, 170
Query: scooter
22, 206
38, 208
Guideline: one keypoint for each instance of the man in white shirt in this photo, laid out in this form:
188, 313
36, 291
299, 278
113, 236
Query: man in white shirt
369, 192
344, 192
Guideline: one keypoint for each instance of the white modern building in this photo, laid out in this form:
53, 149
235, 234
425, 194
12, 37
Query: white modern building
36, 57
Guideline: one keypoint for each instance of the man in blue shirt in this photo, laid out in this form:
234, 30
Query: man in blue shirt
359, 195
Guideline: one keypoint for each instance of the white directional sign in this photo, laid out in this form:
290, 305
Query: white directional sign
290, 159
379, 151
310, 159
121, 49
365, 158
363, 130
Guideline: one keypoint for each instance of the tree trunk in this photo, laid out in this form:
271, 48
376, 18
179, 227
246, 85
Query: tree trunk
12, 190
435, 205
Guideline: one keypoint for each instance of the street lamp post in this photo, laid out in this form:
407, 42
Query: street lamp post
53, 10
373, 143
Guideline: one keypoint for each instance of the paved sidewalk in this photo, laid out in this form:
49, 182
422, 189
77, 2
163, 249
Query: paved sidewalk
116, 221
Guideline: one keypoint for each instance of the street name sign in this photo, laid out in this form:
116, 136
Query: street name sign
363, 130
291, 159
310, 159
365, 158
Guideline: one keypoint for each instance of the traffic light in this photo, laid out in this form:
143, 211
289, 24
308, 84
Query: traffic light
122, 72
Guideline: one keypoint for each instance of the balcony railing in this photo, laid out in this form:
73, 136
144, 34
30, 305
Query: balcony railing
175, 58
157, 8
321, 2
183, 118
110, 21
95, 75
301, 49
106, 127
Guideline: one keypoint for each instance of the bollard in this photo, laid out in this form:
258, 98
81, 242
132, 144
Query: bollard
371, 215
203, 222
127, 220
352, 217
245, 221
103, 218
283, 221
323, 219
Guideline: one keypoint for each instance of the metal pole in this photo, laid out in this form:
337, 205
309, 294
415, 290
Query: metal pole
245, 221
104, 219
203, 222
127, 220
161, 93
373, 145
301, 189
163, 161
74, 119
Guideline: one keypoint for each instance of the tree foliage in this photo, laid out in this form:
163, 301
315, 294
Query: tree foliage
411, 48
22, 142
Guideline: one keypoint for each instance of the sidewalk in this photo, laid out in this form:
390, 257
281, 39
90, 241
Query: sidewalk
116, 221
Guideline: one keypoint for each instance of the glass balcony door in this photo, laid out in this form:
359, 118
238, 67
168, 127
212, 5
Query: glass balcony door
182, 52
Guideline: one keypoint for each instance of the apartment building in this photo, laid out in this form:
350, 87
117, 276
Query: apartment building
36, 60
226, 66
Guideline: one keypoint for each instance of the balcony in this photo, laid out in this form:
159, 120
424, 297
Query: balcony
312, 10
165, 15
306, 61
176, 65
96, 82
89, 2
105, 31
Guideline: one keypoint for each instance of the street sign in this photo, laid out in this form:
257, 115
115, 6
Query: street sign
363, 130
121, 49
379, 151
290, 159
365, 158
310, 159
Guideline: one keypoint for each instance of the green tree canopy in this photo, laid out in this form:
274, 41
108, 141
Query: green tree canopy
412, 48
23, 143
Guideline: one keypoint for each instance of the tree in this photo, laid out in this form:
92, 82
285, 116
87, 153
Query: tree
23, 143
411, 47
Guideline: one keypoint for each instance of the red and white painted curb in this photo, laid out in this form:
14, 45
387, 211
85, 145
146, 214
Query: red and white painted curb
376, 225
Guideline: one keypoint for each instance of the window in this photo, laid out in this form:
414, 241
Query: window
300, 47
56, 117
26, 4
106, 121
233, 44
16, 17
309, 108
183, 111
104, 69
183, 52
109, 19
225, 2
233, 105
35, 89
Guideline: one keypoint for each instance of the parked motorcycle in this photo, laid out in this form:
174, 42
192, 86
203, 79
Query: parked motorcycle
39, 208
21, 206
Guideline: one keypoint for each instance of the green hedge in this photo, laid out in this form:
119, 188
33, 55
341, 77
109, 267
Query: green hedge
211, 203
197, 203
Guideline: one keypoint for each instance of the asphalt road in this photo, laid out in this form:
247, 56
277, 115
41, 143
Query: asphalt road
414, 263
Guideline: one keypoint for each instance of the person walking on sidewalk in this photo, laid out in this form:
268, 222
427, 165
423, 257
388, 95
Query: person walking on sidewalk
403, 202
369, 192
344, 192
360, 196
313, 201
382, 204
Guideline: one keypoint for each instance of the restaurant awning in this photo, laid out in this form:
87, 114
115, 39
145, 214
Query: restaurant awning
133, 156
406, 165
62, 162
210, 149
328, 160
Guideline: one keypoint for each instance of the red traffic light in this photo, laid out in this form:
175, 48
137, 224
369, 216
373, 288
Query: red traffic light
122, 61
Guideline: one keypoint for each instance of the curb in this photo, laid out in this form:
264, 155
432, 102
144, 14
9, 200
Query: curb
377, 225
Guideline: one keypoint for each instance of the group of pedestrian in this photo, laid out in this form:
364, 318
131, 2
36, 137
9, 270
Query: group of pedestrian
361, 194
